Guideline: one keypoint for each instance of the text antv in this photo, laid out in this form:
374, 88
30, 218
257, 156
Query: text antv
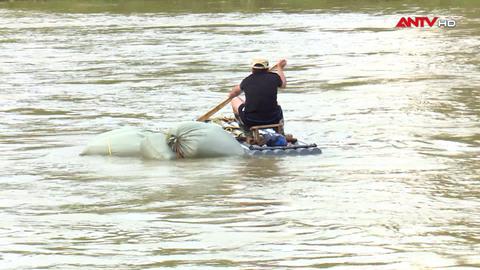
409, 22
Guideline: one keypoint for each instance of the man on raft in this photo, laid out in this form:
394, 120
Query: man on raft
260, 106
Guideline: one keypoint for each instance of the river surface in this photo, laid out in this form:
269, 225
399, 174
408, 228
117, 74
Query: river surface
396, 112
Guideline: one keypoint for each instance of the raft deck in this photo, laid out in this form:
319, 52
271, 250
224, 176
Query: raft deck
298, 148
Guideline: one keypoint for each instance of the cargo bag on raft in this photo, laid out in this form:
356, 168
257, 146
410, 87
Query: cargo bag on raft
198, 140
155, 146
123, 142
187, 140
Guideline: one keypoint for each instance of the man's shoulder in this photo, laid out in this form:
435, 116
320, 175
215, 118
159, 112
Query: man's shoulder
249, 78
273, 74
274, 77
261, 76
246, 81
251, 75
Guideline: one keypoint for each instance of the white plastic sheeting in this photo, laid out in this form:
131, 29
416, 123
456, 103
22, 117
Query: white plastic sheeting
122, 142
199, 140
155, 146
186, 140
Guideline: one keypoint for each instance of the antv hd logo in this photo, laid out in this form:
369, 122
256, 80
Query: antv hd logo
409, 22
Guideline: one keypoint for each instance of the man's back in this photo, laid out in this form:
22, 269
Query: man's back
261, 95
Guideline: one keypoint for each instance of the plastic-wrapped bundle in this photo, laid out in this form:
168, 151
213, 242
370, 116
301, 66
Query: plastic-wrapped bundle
124, 142
155, 146
187, 140
198, 140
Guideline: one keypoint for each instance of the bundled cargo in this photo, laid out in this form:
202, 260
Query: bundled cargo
123, 142
199, 140
155, 146
187, 140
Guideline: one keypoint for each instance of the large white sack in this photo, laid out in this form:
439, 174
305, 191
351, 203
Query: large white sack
118, 142
198, 140
155, 146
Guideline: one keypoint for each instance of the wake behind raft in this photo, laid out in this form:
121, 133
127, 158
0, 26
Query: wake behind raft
186, 140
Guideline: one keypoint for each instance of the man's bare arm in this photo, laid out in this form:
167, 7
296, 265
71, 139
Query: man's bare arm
280, 66
235, 91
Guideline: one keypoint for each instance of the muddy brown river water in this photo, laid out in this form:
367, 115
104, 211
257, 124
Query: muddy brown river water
396, 112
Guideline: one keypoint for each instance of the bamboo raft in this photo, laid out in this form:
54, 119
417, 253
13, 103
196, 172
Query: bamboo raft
294, 147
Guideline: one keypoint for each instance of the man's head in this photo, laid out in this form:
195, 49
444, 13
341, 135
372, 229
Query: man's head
259, 65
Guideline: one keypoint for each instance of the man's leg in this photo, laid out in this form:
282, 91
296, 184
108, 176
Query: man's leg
236, 102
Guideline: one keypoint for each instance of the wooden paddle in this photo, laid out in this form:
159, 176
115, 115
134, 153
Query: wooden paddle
217, 108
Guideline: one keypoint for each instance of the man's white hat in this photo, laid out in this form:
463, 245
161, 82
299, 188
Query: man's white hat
259, 63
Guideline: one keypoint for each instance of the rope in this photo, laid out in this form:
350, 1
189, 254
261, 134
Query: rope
109, 148
174, 143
